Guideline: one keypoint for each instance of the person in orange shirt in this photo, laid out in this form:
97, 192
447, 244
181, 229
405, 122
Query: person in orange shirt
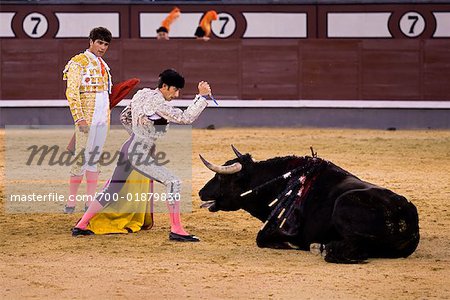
204, 28
162, 33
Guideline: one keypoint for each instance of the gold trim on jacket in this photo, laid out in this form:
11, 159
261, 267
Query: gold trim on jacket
84, 79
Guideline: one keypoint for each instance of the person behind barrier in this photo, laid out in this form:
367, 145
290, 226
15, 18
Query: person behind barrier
162, 33
203, 30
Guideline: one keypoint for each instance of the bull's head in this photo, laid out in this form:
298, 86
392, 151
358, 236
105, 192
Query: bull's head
223, 191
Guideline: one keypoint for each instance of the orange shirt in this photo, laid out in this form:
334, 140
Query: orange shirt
205, 22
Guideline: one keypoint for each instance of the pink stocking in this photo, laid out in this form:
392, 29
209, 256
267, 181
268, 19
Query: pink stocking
175, 219
91, 179
74, 184
93, 209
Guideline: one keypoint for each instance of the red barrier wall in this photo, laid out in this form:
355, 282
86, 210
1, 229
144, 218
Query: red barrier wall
246, 69
401, 52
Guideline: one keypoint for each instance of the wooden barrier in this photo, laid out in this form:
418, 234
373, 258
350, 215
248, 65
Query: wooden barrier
245, 69
257, 52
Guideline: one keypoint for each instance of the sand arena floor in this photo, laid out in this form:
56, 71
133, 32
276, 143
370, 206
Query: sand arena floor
40, 259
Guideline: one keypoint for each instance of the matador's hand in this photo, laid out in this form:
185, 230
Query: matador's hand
143, 120
203, 88
83, 126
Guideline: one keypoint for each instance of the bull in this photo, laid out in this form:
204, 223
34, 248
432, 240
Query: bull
309, 203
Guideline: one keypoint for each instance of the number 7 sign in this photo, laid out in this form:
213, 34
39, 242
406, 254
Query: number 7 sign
35, 25
412, 24
224, 26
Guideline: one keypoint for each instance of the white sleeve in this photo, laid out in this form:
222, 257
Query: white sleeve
178, 116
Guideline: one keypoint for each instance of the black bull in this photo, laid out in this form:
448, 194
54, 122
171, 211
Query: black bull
307, 202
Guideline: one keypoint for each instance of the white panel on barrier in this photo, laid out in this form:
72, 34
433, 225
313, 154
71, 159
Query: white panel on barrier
358, 25
6, 24
442, 24
72, 25
279, 25
184, 26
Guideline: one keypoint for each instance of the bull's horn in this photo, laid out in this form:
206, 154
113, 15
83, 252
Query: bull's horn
231, 169
238, 154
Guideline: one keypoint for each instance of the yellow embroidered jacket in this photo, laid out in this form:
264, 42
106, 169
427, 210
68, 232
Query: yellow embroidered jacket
84, 79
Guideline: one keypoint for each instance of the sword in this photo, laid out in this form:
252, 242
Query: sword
213, 99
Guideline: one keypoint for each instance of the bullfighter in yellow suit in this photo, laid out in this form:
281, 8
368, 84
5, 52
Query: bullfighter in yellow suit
88, 87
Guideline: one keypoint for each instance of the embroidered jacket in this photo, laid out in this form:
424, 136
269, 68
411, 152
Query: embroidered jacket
84, 78
150, 104
148, 109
